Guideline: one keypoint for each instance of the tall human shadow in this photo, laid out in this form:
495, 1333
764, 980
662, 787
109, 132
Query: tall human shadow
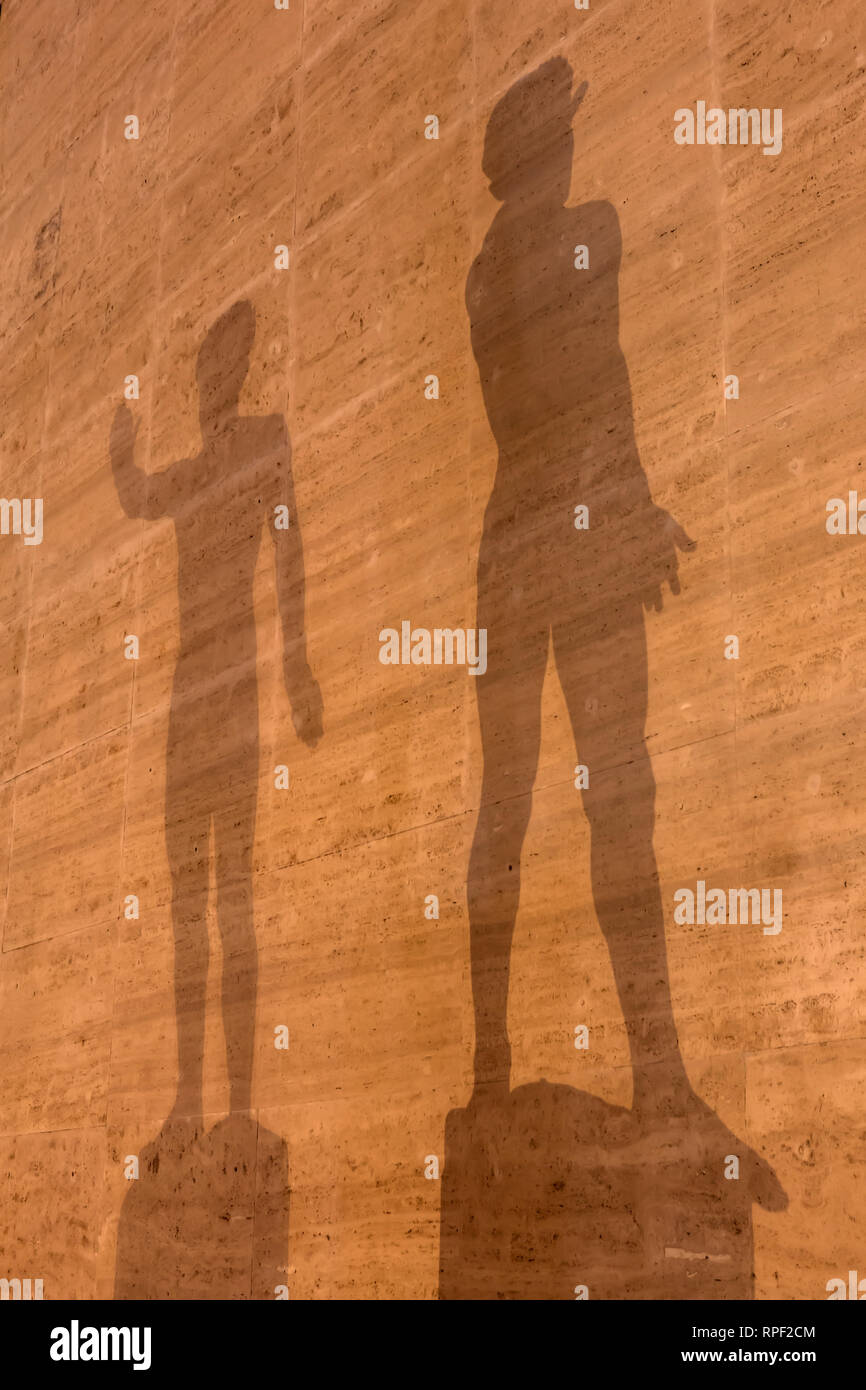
206, 1201
547, 1189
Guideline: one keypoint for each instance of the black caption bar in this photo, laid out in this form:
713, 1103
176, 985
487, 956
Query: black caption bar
221, 1339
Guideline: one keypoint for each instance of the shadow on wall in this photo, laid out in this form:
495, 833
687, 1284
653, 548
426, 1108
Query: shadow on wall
209, 1205
547, 1188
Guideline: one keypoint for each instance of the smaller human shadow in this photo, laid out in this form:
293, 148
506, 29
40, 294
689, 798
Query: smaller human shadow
221, 501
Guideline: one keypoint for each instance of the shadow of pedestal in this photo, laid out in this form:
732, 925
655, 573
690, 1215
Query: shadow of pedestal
208, 1216
547, 1189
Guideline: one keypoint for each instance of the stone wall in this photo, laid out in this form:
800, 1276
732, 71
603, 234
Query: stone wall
222, 966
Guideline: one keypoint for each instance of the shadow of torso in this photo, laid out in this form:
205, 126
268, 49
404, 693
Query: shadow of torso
217, 508
545, 335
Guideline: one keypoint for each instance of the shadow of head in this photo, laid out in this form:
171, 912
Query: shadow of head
224, 360
529, 144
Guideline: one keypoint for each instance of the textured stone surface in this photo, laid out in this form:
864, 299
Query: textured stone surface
153, 1036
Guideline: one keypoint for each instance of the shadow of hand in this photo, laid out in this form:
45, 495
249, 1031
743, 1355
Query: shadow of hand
305, 697
660, 539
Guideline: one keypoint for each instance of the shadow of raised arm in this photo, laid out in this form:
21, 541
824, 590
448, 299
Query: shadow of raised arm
141, 494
